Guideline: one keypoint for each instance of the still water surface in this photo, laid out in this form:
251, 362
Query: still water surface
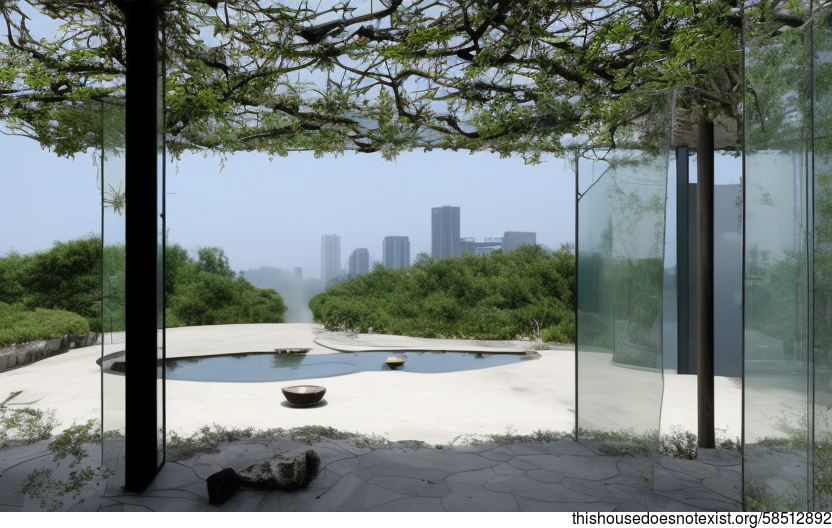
284, 367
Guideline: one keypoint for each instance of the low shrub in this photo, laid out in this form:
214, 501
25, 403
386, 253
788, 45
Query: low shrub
21, 325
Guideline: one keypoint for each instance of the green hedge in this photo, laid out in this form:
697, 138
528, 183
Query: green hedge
526, 293
20, 325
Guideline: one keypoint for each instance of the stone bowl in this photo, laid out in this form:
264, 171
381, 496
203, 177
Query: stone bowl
303, 395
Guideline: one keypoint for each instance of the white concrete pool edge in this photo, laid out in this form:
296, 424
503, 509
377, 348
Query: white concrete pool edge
435, 408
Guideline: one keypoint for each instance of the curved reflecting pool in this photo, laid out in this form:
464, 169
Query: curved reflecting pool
256, 367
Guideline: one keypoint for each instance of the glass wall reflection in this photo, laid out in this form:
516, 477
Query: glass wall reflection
822, 259
788, 438
621, 222
112, 350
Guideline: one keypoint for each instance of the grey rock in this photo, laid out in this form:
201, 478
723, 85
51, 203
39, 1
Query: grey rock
222, 485
282, 472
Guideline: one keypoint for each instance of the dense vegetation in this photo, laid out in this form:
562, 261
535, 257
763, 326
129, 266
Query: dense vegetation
197, 292
67, 277
19, 325
527, 293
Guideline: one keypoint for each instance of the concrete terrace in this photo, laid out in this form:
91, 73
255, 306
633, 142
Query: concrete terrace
416, 410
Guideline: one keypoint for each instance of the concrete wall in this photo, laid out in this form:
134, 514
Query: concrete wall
22, 354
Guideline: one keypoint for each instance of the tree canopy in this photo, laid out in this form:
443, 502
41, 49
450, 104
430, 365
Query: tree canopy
506, 76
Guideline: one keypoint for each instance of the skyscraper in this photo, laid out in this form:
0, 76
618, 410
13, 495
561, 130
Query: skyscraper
514, 239
330, 257
444, 238
359, 262
395, 252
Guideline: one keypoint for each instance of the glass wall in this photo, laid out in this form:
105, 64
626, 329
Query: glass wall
112, 226
621, 222
821, 306
788, 441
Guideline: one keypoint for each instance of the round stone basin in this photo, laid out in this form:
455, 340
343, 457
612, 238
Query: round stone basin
303, 395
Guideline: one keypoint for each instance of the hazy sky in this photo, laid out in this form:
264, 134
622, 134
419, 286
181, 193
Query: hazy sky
274, 214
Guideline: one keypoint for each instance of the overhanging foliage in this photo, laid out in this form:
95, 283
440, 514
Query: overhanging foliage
528, 77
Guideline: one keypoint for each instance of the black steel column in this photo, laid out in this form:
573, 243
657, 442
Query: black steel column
141, 464
705, 283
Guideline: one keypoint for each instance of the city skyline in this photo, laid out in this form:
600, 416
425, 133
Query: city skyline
272, 213
330, 257
396, 252
359, 262
445, 231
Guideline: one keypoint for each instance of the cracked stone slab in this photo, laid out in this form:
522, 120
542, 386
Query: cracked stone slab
558, 447
411, 504
395, 469
557, 493
543, 475
449, 461
243, 501
12, 456
728, 488
294, 501
594, 468
341, 467
532, 505
478, 477
498, 454
175, 475
166, 504
603, 491
666, 479
415, 486
718, 457
355, 494
94, 504
518, 483
701, 498
472, 498
692, 468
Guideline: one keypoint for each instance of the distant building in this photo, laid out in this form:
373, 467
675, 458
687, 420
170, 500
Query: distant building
514, 239
489, 245
330, 257
359, 262
395, 252
445, 232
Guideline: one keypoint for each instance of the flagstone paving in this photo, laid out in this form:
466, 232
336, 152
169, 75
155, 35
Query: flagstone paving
557, 476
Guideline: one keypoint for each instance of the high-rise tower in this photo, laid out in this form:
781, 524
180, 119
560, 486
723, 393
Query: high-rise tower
514, 239
359, 262
330, 257
444, 239
395, 252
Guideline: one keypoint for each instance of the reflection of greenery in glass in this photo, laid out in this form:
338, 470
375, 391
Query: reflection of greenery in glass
113, 280
621, 218
788, 316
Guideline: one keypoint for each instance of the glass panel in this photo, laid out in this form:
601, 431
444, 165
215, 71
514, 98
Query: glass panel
621, 221
112, 350
160, 255
775, 456
822, 281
